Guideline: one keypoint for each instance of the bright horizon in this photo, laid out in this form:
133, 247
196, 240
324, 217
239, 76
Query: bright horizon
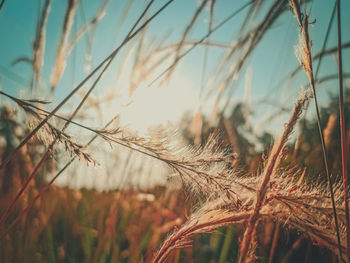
143, 107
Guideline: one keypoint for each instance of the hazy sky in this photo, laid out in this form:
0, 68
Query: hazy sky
272, 60
274, 55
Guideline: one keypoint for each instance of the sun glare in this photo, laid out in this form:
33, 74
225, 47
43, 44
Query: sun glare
154, 106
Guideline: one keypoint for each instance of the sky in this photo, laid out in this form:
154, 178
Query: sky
18, 22
273, 58
271, 62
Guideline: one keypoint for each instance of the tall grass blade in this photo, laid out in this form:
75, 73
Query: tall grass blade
306, 62
269, 171
343, 138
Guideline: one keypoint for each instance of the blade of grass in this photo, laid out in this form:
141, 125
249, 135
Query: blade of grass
322, 52
185, 33
274, 242
325, 42
60, 63
227, 244
223, 22
86, 27
2, 4
306, 61
342, 132
205, 58
39, 45
269, 171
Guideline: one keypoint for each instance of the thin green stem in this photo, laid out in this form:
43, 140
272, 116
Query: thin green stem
306, 49
343, 133
223, 22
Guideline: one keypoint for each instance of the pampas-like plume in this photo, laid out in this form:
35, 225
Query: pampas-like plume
343, 137
203, 169
60, 63
303, 51
49, 133
269, 171
179, 239
39, 44
320, 55
244, 194
305, 59
87, 26
201, 222
65, 46
289, 202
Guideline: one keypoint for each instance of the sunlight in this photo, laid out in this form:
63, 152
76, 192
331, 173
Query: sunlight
174, 131
154, 106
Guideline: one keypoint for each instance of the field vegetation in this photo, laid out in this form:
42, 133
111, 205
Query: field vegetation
86, 176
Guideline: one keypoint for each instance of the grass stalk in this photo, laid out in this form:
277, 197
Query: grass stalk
44, 189
226, 195
343, 132
229, 239
2, 4
60, 63
195, 44
296, 245
39, 45
306, 62
274, 242
179, 239
320, 55
185, 33
322, 52
87, 26
270, 169
185, 169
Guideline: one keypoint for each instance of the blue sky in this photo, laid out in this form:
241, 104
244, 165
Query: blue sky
272, 60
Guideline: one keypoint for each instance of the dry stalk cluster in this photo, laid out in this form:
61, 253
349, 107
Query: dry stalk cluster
274, 194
